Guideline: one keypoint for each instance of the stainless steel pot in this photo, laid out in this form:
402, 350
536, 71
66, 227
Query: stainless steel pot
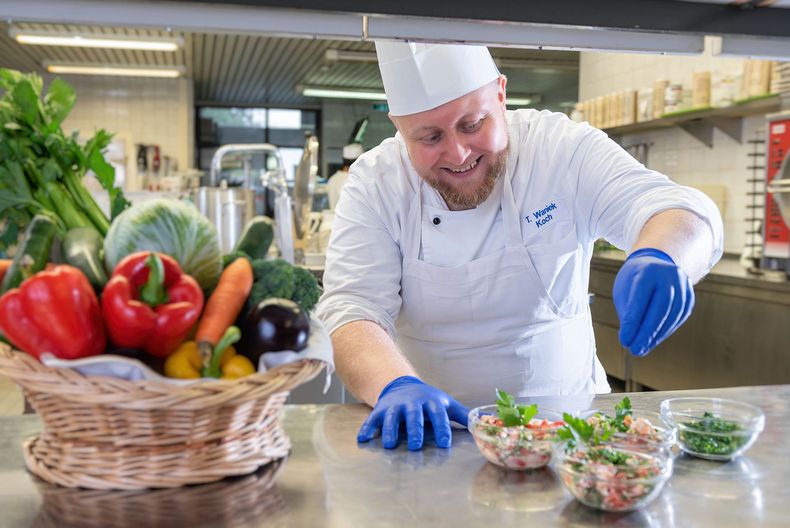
228, 208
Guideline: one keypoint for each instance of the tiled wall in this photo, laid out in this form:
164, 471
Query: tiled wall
719, 171
137, 110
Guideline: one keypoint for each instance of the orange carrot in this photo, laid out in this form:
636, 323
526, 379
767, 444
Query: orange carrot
226, 302
4, 265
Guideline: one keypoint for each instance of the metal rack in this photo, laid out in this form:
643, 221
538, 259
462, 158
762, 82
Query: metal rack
756, 202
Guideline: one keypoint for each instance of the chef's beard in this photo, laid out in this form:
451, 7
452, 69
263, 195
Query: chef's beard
459, 199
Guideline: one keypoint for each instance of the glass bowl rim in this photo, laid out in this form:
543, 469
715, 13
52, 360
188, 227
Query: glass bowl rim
751, 419
664, 464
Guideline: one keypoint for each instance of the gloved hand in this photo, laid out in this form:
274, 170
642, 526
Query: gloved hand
653, 297
407, 399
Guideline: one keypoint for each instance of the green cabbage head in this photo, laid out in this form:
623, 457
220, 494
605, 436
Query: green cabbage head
167, 226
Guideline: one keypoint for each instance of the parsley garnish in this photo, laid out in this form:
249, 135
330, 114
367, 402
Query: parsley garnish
605, 454
513, 414
579, 430
622, 410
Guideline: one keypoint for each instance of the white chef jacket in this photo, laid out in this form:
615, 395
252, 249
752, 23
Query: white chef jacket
569, 181
334, 186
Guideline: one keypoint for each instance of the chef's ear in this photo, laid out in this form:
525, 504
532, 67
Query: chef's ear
501, 90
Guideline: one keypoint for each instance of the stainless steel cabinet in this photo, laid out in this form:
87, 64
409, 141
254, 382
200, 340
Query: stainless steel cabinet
738, 334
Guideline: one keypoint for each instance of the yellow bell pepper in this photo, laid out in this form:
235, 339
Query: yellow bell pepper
186, 362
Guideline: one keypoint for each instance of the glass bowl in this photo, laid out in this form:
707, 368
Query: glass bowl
648, 431
713, 428
609, 478
516, 447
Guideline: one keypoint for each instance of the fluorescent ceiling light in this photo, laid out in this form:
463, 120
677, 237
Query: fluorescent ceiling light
336, 55
343, 93
369, 95
528, 35
93, 41
777, 49
531, 63
123, 71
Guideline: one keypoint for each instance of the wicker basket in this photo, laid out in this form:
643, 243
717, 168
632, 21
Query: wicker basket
108, 433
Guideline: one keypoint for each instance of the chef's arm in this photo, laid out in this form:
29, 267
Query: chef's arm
683, 236
367, 359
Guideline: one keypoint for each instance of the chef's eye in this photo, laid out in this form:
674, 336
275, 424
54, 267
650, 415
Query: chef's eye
472, 126
431, 139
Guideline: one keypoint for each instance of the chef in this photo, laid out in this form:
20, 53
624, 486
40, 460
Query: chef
459, 259
336, 182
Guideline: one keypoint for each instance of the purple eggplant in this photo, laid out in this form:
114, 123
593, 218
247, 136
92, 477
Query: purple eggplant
274, 325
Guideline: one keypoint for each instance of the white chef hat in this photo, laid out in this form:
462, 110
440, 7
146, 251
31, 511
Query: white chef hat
419, 77
352, 151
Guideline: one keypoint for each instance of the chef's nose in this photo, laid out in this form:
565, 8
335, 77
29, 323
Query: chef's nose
457, 151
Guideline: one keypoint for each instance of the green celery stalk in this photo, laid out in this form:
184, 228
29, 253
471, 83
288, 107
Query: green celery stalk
65, 207
86, 202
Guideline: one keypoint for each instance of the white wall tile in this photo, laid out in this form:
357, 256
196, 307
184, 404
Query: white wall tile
147, 111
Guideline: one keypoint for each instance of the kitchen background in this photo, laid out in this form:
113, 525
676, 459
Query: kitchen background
242, 88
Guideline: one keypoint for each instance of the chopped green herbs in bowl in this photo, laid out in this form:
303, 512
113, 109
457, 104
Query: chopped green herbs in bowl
713, 428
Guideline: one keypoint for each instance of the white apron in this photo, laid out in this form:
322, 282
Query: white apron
490, 323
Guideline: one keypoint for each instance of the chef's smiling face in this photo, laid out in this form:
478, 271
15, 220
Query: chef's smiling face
460, 147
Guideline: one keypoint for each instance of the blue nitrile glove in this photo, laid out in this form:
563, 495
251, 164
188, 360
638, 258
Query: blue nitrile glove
653, 297
407, 399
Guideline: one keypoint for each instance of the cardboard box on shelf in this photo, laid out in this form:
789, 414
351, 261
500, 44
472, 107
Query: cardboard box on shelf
629, 107
644, 105
659, 93
599, 111
756, 79
725, 87
701, 89
673, 98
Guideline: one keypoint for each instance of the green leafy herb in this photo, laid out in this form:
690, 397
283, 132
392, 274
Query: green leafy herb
622, 410
580, 431
513, 414
41, 169
605, 454
712, 444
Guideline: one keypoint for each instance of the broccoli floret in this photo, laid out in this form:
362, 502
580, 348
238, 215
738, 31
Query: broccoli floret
278, 278
228, 259
273, 278
306, 290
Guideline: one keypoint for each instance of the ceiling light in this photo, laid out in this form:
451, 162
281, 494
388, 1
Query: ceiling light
94, 41
531, 63
336, 55
343, 93
369, 95
123, 71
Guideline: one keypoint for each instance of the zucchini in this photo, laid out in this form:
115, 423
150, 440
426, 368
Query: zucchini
83, 248
256, 237
32, 253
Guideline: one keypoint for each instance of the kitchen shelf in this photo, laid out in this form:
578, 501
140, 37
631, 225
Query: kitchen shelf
700, 122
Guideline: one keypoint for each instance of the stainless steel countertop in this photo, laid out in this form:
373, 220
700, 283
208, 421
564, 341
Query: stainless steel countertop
330, 480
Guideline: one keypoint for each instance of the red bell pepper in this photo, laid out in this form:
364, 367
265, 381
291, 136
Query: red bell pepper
54, 311
149, 303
